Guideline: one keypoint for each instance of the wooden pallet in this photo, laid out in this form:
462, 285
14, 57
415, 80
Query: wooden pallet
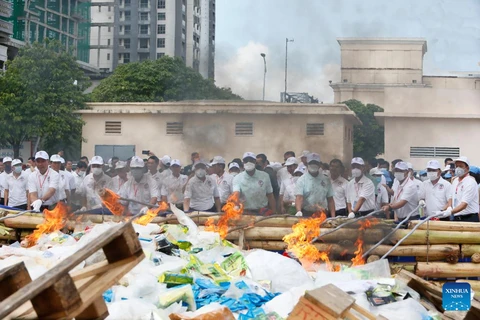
59, 294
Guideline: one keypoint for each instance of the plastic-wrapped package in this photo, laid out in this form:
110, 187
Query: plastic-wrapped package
213, 311
129, 309
325, 277
180, 293
372, 270
283, 272
410, 309
284, 303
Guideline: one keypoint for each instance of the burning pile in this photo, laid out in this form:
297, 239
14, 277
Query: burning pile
151, 213
358, 260
54, 221
298, 242
233, 210
111, 200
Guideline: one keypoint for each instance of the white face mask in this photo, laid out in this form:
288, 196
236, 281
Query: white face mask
432, 176
97, 171
81, 174
295, 179
326, 173
356, 173
313, 168
400, 176
249, 166
422, 178
200, 173
459, 172
234, 173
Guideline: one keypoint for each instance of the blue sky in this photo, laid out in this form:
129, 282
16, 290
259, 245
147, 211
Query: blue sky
245, 28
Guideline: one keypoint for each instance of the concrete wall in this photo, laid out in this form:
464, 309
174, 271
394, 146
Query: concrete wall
102, 34
403, 133
214, 134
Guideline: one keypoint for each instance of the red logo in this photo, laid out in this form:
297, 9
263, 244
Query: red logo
260, 183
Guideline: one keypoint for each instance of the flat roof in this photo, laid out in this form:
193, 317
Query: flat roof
382, 41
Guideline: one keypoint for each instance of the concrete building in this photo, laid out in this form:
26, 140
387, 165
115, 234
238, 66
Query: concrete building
425, 117
6, 31
137, 30
226, 128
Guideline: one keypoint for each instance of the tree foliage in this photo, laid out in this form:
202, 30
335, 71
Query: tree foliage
369, 138
40, 90
164, 79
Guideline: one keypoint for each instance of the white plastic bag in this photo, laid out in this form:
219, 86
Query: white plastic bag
283, 272
130, 309
283, 304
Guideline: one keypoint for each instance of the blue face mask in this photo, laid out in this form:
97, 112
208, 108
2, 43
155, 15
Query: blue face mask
18, 169
379, 179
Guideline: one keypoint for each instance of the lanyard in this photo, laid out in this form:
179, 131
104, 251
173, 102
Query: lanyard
400, 189
135, 189
45, 178
358, 187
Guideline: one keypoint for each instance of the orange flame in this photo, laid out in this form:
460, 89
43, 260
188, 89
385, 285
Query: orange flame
298, 242
358, 260
151, 213
233, 210
111, 200
54, 221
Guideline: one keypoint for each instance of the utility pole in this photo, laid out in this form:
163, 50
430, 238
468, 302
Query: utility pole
264, 72
286, 66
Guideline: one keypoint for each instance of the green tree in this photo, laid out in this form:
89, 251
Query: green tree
369, 138
164, 79
39, 92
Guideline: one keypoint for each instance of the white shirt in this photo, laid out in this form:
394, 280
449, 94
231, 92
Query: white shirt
142, 191
3, 177
339, 186
90, 188
465, 191
435, 196
282, 174
117, 183
41, 183
224, 185
407, 190
172, 188
17, 189
287, 189
418, 184
201, 193
70, 179
157, 177
78, 180
62, 186
364, 188
382, 196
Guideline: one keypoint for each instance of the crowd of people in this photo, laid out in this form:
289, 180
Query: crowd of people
299, 186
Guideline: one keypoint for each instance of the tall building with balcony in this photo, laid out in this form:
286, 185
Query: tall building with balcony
67, 21
6, 31
137, 30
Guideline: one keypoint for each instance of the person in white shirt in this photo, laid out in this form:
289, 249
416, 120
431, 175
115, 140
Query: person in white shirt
360, 191
464, 194
283, 172
405, 195
7, 162
78, 176
140, 186
120, 176
303, 157
43, 184
435, 193
381, 198
173, 186
63, 187
152, 165
411, 174
16, 183
339, 185
223, 179
287, 191
93, 184
165, 167
201, 192
70, 180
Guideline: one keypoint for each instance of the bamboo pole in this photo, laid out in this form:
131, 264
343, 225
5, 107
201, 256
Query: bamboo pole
469, 249
272, 233
447, 226
436, 237
446, 270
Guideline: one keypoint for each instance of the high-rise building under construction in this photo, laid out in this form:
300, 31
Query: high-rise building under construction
27, 21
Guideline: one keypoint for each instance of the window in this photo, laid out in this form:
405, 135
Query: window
127, 2
143, 3
161, 4
143, 56
244, 129
144, 29
161, 43
121, 28
126, 43
108, 42
144, 43
108, 56
174, 127
109, 9
315, 129
161, 16
126, 57
345, 80
143, 16
160, 54
414, 81
121, 14
345, 136
99, 8
128, 15
127, 29
109, 28
434, 152
161, 29
113, 127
